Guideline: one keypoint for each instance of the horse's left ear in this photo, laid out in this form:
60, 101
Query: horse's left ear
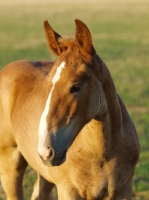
83, 37
52, 38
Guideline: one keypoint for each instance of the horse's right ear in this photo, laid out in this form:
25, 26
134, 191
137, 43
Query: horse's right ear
52, 38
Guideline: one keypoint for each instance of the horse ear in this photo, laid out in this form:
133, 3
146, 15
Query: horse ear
83, 37
52, 38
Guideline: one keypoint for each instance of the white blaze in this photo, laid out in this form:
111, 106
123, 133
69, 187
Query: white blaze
43, 126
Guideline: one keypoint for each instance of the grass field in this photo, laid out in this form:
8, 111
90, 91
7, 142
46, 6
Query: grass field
120, 31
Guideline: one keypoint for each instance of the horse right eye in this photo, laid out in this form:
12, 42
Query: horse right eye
75, 88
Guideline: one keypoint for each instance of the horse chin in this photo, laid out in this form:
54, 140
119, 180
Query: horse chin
47, 162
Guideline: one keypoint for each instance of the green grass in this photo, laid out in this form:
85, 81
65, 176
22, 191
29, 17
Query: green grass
120, 35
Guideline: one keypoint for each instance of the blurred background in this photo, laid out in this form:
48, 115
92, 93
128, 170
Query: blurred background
120, 31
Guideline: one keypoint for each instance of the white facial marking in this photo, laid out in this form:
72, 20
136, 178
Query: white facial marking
43, 131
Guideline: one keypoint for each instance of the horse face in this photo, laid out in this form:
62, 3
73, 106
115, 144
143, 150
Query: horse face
71, 100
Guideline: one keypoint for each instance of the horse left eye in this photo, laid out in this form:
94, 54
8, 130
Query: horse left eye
75, 88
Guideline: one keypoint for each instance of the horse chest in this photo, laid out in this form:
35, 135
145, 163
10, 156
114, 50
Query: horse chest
93, 191
90, 184
86, 190
93, 181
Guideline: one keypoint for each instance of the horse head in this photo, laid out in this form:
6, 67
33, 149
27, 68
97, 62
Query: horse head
73, 92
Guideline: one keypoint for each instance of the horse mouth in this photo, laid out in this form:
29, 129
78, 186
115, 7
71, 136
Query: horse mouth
56, 161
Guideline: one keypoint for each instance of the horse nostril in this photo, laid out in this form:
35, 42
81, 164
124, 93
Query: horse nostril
50, 152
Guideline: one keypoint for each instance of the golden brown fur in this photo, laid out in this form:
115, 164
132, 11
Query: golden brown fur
104, 149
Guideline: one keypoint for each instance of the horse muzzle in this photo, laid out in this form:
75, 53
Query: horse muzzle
46, 153
50, 157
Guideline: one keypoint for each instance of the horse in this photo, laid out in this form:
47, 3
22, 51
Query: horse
66, 120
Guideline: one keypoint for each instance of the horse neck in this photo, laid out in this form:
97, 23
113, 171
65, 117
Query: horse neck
92, 142
112, 107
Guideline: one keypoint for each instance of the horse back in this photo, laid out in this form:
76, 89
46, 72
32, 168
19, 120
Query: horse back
19, 76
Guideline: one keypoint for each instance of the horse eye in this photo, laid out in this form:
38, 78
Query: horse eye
75, 88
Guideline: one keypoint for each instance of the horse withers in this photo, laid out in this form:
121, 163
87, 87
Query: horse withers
66, 120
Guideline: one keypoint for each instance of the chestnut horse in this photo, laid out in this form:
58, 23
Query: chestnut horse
67, 115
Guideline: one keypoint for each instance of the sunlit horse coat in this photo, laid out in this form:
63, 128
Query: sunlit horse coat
68, 116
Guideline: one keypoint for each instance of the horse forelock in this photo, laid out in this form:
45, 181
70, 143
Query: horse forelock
69, 44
